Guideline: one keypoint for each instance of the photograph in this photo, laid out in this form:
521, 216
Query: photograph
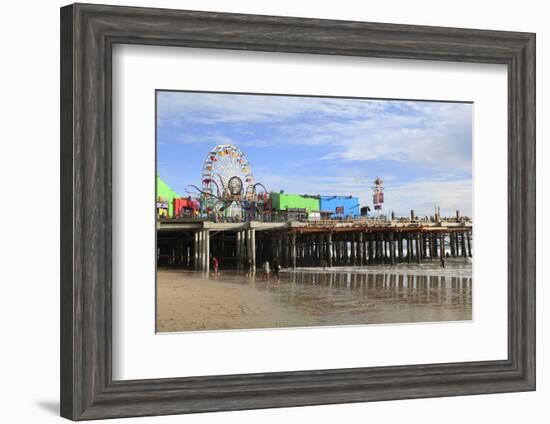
284, 210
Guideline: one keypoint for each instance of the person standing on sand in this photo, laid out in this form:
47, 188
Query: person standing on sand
215, 265
276, 269
266, 271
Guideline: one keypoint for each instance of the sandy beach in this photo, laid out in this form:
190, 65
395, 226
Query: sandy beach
193, 301
190, 301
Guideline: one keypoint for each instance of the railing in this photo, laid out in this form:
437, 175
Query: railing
298, 217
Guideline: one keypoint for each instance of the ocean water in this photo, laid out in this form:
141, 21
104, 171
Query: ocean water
378, 294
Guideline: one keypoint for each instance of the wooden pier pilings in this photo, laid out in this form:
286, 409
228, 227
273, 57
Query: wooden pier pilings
310, 244
361, 248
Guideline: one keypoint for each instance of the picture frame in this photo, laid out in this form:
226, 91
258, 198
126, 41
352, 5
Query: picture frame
88, 33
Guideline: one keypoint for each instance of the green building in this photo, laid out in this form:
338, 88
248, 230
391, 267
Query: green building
284, 201
167, 194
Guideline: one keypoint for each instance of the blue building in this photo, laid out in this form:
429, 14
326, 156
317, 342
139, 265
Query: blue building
340, 206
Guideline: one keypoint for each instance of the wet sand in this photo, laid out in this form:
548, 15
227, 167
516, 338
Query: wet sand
188, 301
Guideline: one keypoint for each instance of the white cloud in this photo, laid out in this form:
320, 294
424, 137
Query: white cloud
433, 134
211, 140
423, 196
439, 137
216, 108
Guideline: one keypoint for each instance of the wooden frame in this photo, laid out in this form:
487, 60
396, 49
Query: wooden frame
88, 33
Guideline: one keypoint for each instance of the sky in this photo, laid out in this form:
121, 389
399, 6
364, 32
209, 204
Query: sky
330, 146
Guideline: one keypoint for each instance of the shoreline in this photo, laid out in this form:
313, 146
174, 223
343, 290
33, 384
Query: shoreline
453, 267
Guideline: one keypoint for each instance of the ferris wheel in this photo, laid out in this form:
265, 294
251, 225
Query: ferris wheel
227, 180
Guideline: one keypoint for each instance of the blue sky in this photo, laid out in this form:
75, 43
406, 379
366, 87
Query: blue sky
320, 145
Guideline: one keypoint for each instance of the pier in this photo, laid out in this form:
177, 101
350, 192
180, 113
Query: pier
192, 243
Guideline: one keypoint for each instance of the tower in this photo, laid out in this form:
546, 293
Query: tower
378, 194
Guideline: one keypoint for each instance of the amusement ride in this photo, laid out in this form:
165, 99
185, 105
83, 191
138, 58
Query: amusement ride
228, 187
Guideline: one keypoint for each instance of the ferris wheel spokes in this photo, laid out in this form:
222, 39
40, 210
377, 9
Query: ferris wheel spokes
227, 164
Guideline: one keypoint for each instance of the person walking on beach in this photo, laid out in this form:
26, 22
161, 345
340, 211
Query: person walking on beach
276, 269
266, 271
215, 265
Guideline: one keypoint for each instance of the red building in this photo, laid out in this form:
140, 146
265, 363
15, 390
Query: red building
185, 206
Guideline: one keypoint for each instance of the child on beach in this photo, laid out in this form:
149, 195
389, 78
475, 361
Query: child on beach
215, 265
266, 271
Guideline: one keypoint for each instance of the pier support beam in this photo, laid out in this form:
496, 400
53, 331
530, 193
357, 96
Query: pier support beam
200, 252
360, 249
379, 250
293, 250
207, 242
284, 250
373, 246
424, 246
365, 248
238, 250
353, 256
329, 243
345, 250
320, 252
196, 250
313, 250
452, 237
409, 247
418, 251
205, 250
253, 248
456, 243
442, 247
392, 249
243, 247
469, 240
278, 249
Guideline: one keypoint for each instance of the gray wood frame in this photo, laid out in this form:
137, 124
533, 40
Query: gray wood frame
88, 33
